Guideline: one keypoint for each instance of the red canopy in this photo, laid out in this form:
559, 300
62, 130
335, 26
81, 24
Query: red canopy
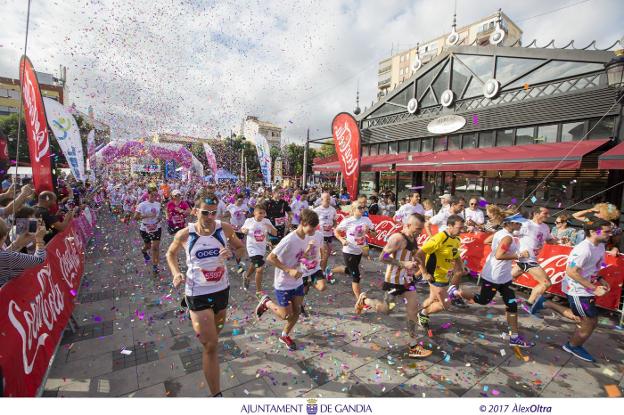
612, 159
552, 156
380, 162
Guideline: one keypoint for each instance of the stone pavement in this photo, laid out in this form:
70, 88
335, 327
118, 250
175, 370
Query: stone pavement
122, 306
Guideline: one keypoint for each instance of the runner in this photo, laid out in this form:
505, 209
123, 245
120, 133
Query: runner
148, 212
129, 204
299, 202
312, 273
439, 261
327, 219
496, 276
237, 214
177, 212
400, 255
280, 215
533, 235
288, 282
207, 286
355, 227
582, 284
257, 229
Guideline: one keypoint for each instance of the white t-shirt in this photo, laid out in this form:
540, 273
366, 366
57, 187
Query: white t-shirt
149, 208
257, 235
289, 251
221, 208
311, 261
326, 219
495, 270
440, 219
296, 207
356, 233
589, 258
406, 210
238, 215
532, 239
475, 215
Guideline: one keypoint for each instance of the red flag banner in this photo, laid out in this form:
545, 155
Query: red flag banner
348, 148
552, 259
36, 127
36, 306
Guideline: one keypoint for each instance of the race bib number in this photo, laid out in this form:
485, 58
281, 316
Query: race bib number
280, 221
213, 275
177, 219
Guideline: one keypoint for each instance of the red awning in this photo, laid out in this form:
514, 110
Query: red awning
612, 159
380, 162
333, 166
560, 156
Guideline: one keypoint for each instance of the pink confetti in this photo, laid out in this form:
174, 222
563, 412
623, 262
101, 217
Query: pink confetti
73, 292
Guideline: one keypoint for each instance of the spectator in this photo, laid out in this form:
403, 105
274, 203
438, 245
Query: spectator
24, 194
562, 233
608, 212
428, 206
12, 264
474, 216
374, 209
53, 223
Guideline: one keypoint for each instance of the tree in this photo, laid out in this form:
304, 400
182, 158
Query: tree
9, 126
326, 150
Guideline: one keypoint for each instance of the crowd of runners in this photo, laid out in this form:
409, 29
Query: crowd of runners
296, 231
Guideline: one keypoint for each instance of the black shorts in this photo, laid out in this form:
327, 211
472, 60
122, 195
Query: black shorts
312, 279
151, 236
328, 239
257, 260
216, 301
240, 235
280, 234
174, 229
352, 265
526, 266
583, 306
488, 291
398, 289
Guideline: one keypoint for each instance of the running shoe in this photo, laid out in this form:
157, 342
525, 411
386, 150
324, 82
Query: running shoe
418, 352
459, 302
240, 269
519, 341
329, 275
146, 255
579, 351
304, 312
359, 305
455, 298
537, 306
288, 342
423, 320
155, 269
261, 308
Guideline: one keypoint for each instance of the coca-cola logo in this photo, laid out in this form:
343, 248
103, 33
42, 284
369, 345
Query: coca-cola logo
69, 259
39, 132
35, 324
385, 228
345, 140
555, 267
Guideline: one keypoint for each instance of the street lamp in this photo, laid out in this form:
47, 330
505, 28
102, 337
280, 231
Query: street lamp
615, 72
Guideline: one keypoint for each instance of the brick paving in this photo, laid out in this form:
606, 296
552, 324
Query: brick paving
121, 306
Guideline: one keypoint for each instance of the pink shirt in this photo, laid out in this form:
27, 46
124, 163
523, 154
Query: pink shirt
177, 213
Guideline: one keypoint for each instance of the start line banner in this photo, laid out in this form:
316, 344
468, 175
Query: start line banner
552, 259
36, 306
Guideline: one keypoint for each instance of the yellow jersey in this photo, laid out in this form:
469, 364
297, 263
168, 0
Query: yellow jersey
442, 250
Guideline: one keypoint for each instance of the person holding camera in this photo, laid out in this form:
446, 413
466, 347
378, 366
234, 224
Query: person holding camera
12, 263
53, 223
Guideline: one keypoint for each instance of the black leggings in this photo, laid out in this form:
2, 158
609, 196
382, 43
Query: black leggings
489, 289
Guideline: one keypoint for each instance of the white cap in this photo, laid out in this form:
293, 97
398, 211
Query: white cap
446, 196
176, 192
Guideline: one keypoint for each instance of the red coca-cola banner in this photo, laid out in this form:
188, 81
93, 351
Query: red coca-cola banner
552, 259
36, 127
35, 308
347, 141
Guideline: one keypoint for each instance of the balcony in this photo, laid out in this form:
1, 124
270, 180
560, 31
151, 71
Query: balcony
384, 69
383, 83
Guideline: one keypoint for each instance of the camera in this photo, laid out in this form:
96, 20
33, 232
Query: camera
26, 225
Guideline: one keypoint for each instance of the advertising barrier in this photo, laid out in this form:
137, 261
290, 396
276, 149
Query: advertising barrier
36, 306
552, 259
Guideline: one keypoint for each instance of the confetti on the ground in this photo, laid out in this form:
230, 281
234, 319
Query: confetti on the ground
126, 352
612, 391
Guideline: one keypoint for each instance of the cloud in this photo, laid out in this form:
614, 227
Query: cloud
198, 67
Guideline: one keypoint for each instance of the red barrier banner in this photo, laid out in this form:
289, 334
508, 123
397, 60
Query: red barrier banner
36, 306
552, 259
346, 135
36, 127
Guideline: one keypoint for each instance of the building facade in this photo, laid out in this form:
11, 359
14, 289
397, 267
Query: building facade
512, 125
399, 67
50, 86
252, 125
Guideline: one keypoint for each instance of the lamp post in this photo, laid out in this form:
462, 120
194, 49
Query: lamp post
242, 169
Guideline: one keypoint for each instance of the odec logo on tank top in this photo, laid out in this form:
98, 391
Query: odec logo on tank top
207, 253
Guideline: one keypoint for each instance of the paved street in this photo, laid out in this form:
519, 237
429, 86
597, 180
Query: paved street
122, 307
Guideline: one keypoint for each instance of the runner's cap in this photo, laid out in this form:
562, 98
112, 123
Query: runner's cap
517, 218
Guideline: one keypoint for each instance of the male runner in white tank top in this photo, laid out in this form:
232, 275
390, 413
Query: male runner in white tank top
206, 280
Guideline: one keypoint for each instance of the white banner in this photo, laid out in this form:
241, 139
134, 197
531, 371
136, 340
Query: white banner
91, 154
67, 134
264, 158
212, 160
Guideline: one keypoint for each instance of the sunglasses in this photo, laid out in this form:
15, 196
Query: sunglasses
361, 207
558, 222
208, 212
473, 204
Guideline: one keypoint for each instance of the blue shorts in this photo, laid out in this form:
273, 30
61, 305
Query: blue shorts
583, 306
284, 297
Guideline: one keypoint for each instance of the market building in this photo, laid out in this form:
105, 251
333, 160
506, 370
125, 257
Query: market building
497, 122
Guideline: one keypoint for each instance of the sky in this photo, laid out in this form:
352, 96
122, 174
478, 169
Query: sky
198, 67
